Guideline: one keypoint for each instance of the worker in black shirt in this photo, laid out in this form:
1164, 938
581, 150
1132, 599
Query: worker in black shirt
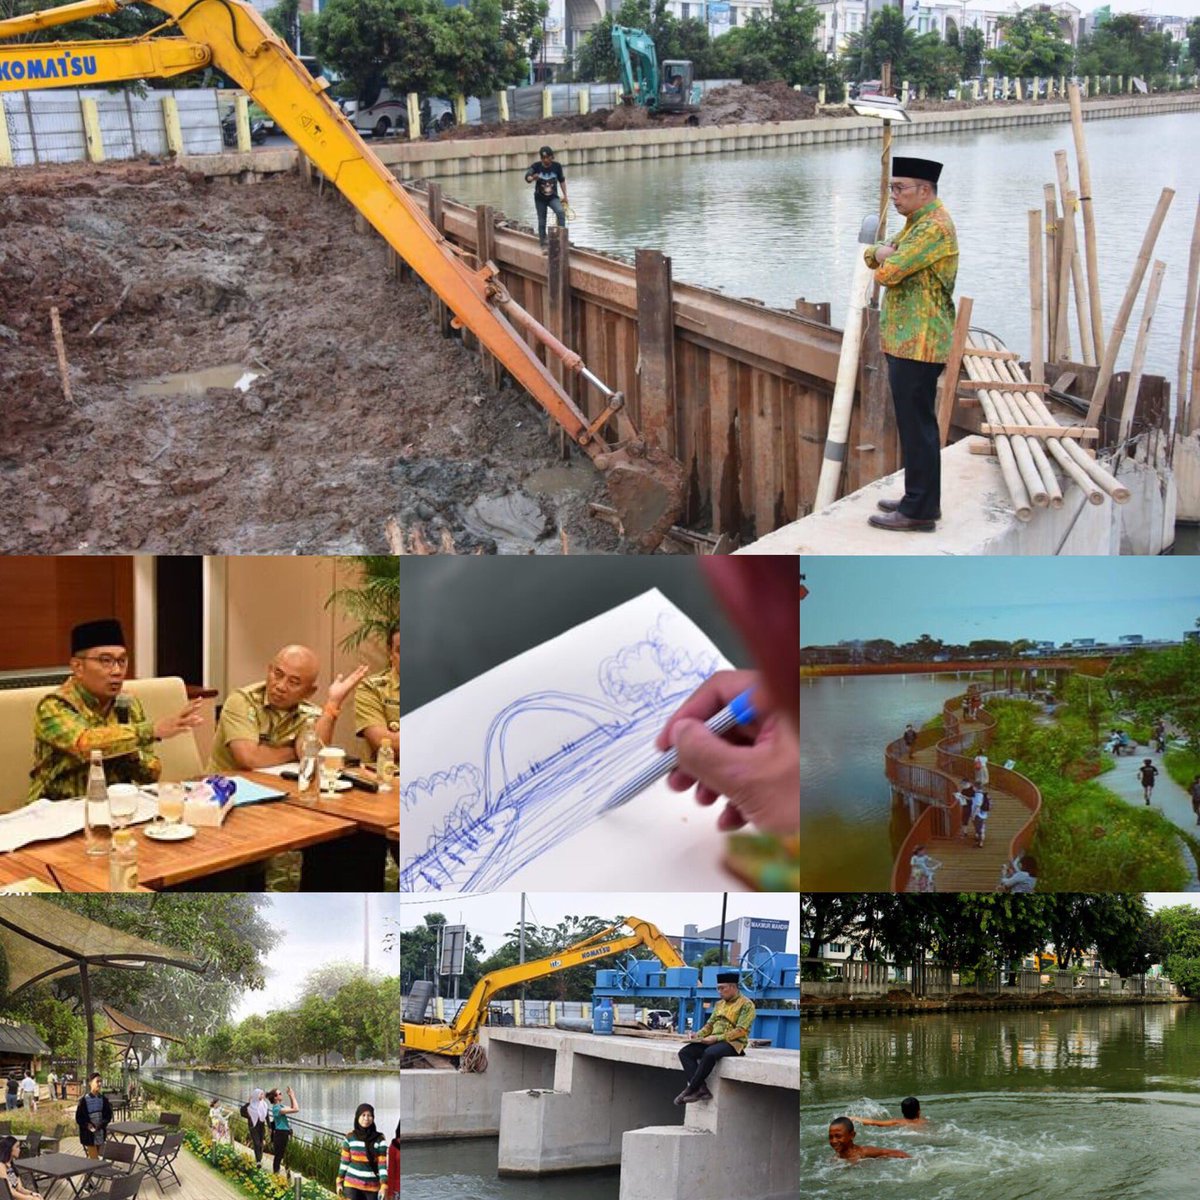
547, 176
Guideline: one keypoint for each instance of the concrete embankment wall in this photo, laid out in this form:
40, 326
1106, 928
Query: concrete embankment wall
477, 156
887, 1008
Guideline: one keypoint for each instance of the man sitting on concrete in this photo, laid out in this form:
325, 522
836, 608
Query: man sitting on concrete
841, 1138
726, 1032
90, 711
910, 1106
260, 723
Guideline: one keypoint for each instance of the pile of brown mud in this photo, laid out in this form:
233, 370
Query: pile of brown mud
317, 401
734, 104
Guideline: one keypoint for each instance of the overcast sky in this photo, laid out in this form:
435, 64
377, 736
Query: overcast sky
320, 928
958, 600
493, 914
1158, 900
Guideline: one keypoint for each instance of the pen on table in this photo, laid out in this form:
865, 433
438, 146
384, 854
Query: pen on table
58, 883
739, 711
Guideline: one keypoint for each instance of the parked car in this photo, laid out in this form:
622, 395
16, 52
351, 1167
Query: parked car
389, 114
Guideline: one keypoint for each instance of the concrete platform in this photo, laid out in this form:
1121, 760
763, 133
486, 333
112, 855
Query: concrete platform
612, 1103
978, 518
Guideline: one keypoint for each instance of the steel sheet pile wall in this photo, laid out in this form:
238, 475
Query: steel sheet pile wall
740, 393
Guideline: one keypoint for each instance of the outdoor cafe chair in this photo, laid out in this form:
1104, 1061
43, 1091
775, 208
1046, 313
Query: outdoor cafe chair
33, 1143
115, 1153
168, 1118
161, 1156
123, 1187
5, 1191
5, 1128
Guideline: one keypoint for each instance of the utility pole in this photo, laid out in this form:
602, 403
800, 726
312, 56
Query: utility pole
521, 957
724, 907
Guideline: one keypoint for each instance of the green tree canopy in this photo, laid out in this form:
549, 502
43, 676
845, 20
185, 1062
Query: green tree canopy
1032, 46
1126, 45
1162, 683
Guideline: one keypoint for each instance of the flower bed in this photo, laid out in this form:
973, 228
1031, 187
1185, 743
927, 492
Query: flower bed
249, 1179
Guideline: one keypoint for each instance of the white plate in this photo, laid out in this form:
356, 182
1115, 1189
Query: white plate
169, 833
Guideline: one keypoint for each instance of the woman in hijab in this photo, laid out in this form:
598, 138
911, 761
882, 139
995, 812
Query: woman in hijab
256, 1114
363, 1169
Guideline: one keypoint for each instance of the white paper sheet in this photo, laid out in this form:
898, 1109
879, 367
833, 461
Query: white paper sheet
48, 820
504, 780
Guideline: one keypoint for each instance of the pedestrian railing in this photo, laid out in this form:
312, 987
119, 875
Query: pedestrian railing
933, 788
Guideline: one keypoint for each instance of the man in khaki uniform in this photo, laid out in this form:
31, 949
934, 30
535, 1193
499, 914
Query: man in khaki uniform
91, 712
726, 1032
377, 702
260, 723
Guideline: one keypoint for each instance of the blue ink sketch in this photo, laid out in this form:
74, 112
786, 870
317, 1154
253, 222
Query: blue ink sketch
548, 765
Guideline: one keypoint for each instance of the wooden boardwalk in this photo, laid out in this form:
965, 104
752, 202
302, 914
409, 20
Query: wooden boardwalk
198, 1181
965, 866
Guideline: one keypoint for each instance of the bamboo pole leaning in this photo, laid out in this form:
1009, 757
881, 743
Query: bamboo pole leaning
1187, 398
1070, 203
1048, 197
1084, 171
1036, 359
1112, 344
1066, 252
1133, 386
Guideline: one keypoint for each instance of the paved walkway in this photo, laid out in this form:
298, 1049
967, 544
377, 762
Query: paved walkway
965, 866
1168, 797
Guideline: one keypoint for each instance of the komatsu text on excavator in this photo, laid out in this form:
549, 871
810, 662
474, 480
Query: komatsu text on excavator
646, 484
457, 1038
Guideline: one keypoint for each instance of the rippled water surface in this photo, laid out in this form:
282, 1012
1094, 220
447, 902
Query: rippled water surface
779, 224
1096, 1104
466, 1170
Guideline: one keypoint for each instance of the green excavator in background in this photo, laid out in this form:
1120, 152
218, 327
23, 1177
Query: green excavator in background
669, 87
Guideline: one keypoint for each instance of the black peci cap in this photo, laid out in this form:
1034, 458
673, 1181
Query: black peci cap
97, 633
728, 977
917, 168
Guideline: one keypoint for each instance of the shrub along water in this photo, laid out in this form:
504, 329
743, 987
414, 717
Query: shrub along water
1087, 840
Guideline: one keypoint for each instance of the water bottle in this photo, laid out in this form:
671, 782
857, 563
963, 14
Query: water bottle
122, 862
308, 751
385, 766
97, 825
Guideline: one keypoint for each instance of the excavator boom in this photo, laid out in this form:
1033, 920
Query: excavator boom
454, 1039
647, 485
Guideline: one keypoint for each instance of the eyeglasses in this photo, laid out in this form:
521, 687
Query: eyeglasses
897, 188
108, 662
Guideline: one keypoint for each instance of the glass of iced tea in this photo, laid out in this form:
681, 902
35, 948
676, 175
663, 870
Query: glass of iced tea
170, 802
333, 761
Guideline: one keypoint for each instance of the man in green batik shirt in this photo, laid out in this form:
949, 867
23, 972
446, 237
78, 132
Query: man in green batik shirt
91, 712
918, 267
726, 1032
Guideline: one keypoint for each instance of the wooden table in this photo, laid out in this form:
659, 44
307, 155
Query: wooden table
16, 866
249, 835
393, 833
372, 812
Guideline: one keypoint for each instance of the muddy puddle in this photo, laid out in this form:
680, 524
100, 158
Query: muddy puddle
174, 291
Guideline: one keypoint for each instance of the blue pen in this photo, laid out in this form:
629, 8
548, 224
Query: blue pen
739, 711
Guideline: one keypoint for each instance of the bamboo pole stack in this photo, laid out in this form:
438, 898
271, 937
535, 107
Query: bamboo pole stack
1186, 404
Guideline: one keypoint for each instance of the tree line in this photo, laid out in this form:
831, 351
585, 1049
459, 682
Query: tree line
985, 932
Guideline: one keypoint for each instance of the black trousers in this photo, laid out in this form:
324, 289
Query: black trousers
914, 396
256, 1140
279, 1142
699, 1060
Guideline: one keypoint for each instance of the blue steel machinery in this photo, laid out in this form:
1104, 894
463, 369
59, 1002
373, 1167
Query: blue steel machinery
770, 978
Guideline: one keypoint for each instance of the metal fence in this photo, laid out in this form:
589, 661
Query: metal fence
48, 127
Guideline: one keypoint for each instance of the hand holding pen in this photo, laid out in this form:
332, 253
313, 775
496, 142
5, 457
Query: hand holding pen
755, 765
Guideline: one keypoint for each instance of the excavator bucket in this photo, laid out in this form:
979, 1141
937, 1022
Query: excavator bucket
647, 488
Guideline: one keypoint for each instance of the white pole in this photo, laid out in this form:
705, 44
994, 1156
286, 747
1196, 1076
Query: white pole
843, 391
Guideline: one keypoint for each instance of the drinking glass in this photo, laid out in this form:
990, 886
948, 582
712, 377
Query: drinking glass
333, 760
122, 803
170, 802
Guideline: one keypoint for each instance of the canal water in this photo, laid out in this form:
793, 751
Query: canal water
325, 1097
845, 809
775, 225
1087, 1104
466, 1170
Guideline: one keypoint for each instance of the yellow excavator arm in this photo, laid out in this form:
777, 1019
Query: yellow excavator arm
454, 1039
646, 484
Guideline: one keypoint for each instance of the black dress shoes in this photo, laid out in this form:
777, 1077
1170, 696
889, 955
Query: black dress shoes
894, 506
900, 523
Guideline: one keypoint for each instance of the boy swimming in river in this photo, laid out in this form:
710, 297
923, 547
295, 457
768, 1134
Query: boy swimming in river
841, 1139
910, 1106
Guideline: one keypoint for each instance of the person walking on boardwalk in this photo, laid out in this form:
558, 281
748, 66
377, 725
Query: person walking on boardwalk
93, 1115
1147, 773
910, 738
362, 1171
918, 268
547, 177
255, 1113
726, 1032
1194, 792
981, 770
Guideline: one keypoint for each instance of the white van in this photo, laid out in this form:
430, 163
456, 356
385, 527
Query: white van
389, 114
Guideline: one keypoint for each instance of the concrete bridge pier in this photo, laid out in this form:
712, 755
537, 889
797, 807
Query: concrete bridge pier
745, 1142
612, 1104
